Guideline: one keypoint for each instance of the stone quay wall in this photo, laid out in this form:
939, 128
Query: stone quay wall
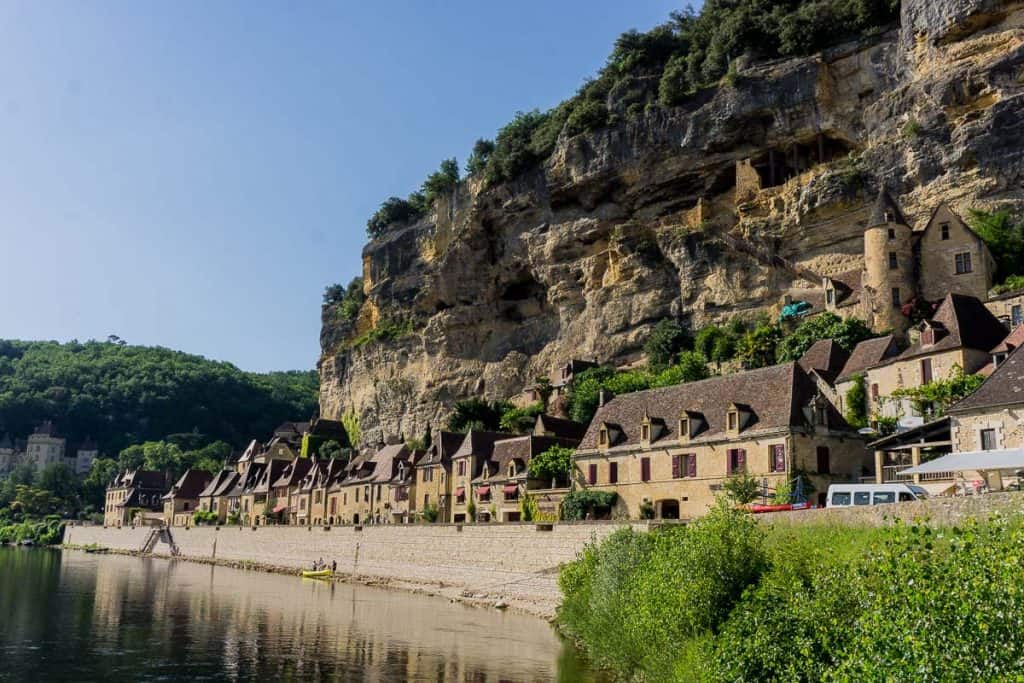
514, 563
934, 511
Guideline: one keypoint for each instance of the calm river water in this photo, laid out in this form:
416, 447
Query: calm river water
73, 616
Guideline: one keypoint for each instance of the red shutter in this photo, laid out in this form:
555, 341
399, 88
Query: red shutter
677, 466
645, 469
691, 465
926, 370
613, 473
592, 474
778, 460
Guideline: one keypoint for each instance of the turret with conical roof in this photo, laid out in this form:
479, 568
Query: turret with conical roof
889, 277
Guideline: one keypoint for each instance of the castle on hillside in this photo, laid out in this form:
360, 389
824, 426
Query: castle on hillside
903, 269
46, 447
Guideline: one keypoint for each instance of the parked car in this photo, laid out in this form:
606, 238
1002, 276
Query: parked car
855, 495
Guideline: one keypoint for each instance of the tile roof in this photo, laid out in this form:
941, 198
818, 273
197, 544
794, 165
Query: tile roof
271, 473
885, 204
222, 482
189, 485
294, 472
141, 478
962, 321
480, 444
826, 357
521, 450
441, 449
868, 353
775, 397
1012, 341
45, 428
1005, 386
560, 427
850, 284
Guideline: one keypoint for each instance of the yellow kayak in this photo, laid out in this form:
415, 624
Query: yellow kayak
321, 574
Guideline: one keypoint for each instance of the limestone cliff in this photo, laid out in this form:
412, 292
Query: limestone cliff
697, 212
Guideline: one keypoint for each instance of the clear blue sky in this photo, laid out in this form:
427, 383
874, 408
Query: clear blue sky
192, 174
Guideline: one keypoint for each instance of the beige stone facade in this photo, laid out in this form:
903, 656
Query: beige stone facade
953, 258
889, 269
908, 373
1006, 425
1008, 308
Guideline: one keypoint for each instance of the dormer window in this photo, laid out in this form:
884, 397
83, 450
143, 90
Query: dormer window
997, 359
889, 217
511, 469
684, 428
732, 420
944, 228
602, 437
645, 432
928, 336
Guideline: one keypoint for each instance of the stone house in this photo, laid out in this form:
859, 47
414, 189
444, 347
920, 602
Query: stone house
320, 431
239, 499
364, 495
85, 456
45, 447
401, 503
433, 474
132, 492
558, 427
868, 353
283, 510
210, 497
182, 501
904, 266
310, 497
467, 464
673, 448
823, 362
504, 477
260, 498
1008, 307
992, 418
960, 334
9, 454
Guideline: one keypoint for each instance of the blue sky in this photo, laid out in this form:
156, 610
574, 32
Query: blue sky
192, 174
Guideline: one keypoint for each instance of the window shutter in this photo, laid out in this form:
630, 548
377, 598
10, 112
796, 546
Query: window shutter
741, 459
613, 473
676, 466
691, 465
592, 474
645, 469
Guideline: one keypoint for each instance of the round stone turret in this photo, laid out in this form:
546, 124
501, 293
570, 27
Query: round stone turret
889, 273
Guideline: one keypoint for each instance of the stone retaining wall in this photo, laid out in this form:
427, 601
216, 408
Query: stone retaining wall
513, 562
936, 511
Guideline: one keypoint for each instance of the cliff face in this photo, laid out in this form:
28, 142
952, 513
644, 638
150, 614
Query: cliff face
682, 212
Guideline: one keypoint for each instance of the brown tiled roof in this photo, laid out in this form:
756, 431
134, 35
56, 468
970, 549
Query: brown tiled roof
147, 479
190, 485
222, 481
480, 444
850, 284
885, 203
867, 354
775, 397
441, 450
270, 475
45, 428
560, 427
1005, 386
826, 357
1012, 341
329, 428
294, 472
963, 321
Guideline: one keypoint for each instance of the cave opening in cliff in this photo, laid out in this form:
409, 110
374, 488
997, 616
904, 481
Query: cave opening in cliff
780, 164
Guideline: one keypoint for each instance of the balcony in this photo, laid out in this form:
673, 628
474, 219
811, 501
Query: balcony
891, 475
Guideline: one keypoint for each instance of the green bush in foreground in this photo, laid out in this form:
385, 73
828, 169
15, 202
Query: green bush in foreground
729, 600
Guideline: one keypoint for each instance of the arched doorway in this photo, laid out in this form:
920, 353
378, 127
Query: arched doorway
355, 518
668, 509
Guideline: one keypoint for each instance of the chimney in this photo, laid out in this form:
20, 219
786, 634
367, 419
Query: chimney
601, 398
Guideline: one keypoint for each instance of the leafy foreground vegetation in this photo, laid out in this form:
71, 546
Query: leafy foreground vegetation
119, 394
727, 599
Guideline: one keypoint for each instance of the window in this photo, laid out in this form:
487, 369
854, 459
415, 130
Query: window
944, 228
823, 460
186, 507
840, 498
645, 432
684, 428
691, 465
928, 337
426, 500
894, 262
378, 491
645, 469
874, 391
862, 498
889, 217
334, 505
830, 297
892, 234
988, 439
896, 296
732, 420
926, 370
602, 437
316, 496
344, 499
963, 263
1016, 315
778, 458
613, 473
737, 460
591, 474
462, 468
677, 466
357, 496
883, 497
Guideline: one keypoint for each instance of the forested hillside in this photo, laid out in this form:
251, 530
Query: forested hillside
120, 394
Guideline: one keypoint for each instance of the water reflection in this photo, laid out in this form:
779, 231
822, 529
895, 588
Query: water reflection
74, 616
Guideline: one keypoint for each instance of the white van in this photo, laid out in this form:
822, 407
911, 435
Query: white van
855, 495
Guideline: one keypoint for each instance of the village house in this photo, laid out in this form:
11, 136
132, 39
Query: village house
1008, 308
504, 478
260, 498
134, 493
992, 418
823, 362
182, 501
364, 494
283, 510
467, 464
960, 335
433, 474
670, 450
311, 498
401, 504
903, 269
211, 496
321, 431
239, 499
868, 353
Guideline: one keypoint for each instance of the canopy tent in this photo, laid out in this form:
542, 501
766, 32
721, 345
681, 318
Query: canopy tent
280, 508
1008, 459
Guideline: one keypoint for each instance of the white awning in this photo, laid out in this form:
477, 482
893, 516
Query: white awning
1008, 459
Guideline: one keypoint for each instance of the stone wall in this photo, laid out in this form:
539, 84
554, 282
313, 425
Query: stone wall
935, 511
1007, 422
514, 562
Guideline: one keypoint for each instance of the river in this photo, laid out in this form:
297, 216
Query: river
69, 615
